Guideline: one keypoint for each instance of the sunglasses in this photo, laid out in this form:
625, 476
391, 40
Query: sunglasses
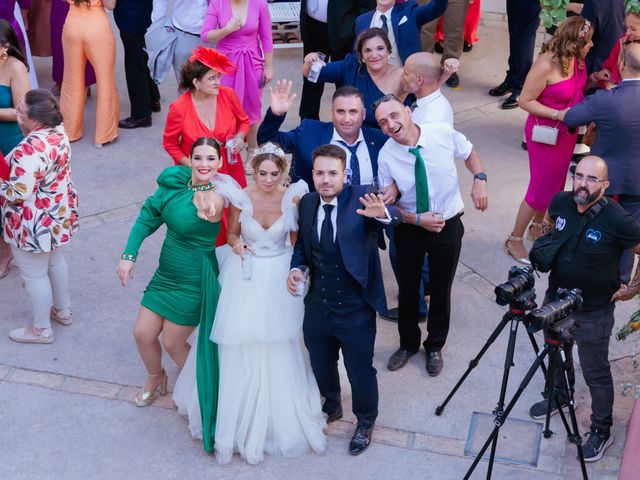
385, 98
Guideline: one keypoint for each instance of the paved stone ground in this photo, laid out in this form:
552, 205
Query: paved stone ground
66, 407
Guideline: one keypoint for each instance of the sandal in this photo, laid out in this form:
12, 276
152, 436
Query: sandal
63, 316
32, 334
144, 399
523, 260
535, 231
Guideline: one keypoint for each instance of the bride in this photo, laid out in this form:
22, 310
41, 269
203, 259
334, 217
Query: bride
268, 400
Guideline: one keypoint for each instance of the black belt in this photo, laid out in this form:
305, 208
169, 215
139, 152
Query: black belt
188, 33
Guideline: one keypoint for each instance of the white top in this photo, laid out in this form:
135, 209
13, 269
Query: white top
318, 13
439, 146
334, 215
376, 21
434, 108
364, 160
186, 15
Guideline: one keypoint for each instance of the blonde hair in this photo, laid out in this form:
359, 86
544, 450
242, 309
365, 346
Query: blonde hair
568, 42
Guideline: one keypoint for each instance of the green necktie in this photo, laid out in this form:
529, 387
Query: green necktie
422, 186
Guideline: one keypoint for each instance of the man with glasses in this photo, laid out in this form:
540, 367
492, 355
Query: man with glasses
420, 159
592, 266
615, 113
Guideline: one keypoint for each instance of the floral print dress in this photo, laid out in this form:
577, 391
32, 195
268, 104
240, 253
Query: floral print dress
39, 203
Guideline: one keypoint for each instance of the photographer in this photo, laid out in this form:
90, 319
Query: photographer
591, 264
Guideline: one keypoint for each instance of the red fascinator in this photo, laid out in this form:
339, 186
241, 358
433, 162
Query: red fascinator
213, 59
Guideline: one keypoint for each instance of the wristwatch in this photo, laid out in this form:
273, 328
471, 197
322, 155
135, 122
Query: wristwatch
480, 176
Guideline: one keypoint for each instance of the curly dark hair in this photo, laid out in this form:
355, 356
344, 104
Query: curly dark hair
191, 71
568, 42
9, 39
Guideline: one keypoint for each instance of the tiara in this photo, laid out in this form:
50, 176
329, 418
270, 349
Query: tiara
213, 59
269, 148
585, 28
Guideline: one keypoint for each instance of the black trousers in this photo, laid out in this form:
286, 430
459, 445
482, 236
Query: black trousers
316, 40
592, 337
523, 19
142, 91
325, 334
443, 250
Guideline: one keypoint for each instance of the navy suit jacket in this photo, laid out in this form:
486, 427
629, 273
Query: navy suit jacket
357, 237
407, 34
133, 16
311, 134
615, 113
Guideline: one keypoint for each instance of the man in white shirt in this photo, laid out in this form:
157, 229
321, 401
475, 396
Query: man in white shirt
187, 17
420, 160
423, 76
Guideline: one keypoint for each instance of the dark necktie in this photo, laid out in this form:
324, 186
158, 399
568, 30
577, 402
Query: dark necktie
326, 231
385, 25
422, 186
354, 163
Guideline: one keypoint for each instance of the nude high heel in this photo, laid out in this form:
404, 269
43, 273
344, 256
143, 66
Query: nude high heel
144, 399
511, 238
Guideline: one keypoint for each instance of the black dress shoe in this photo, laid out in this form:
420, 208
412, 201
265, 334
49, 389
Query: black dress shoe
438, 47
399, 359
453, 81
511, 102
360, 440
131, 122
434, 363
335, 416
467, 47
391, 315
501, 90
155, 106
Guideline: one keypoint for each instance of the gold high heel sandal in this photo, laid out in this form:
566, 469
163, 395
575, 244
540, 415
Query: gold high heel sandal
532, 236
511, 238
144, 399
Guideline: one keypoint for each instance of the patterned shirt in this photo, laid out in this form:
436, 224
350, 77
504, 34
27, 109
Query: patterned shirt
39, 203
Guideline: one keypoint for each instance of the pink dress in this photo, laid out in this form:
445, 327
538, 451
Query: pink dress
245, 48
548, 164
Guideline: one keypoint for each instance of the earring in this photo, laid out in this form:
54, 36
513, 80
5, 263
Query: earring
5, 54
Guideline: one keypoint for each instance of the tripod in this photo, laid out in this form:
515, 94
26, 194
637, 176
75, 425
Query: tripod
557, 359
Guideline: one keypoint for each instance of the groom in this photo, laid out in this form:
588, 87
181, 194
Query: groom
338, 241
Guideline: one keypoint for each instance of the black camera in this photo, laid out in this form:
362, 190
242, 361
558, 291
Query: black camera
553, 316
520, 281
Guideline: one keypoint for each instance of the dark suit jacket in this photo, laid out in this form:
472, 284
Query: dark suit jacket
133, 16
407, 34
341, 15
357, 237
607, 19
311, 134
615, 113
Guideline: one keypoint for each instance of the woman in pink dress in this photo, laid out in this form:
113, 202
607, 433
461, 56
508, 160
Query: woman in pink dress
554, 83
241, 29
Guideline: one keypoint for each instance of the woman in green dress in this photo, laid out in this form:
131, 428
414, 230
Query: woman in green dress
184, 289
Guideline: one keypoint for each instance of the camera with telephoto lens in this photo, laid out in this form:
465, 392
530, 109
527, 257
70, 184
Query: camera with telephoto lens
553, 317
520, 280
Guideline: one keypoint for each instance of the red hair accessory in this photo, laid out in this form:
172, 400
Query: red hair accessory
213, 59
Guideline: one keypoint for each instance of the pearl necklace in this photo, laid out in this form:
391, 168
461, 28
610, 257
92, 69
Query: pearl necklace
201, 188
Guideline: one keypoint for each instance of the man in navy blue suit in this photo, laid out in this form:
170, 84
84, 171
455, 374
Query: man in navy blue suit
402, 22
338, 241
360, 143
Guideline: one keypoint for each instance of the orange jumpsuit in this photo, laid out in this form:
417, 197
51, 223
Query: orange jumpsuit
87, 35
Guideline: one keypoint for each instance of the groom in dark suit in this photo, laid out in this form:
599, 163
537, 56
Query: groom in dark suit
338, 241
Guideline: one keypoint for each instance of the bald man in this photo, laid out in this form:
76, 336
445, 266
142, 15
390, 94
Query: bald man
591, 265
423, 76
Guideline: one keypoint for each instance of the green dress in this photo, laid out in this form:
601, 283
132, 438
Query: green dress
184, 288
10, 133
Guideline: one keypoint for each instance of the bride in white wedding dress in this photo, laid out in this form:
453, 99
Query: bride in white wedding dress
268, 399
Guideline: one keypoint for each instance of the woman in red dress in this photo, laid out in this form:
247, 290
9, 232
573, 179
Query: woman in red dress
207, 109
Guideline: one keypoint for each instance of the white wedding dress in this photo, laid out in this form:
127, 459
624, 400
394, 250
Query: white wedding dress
268, 399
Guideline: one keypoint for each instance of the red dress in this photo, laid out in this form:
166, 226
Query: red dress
184, 127
611, 63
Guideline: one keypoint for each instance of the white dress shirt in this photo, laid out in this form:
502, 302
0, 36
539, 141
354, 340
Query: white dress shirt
320, 12
334, 216
434, 108
440, 146
364, 160
186, 15
376, 21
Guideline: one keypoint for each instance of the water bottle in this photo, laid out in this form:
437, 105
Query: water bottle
247, 260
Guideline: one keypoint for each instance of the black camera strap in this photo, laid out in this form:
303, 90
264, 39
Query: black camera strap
587, 216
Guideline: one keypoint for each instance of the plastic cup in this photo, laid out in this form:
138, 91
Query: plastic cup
316, 67
231, 157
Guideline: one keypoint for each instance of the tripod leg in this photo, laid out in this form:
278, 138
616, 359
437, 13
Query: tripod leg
473, 363
549, 389
536, 349
499, 421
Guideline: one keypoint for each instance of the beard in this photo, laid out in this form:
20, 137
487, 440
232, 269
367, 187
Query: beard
586, 199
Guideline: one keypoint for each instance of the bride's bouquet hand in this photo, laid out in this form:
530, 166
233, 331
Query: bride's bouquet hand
240, 248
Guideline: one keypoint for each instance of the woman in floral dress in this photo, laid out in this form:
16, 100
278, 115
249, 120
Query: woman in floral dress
39, 213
